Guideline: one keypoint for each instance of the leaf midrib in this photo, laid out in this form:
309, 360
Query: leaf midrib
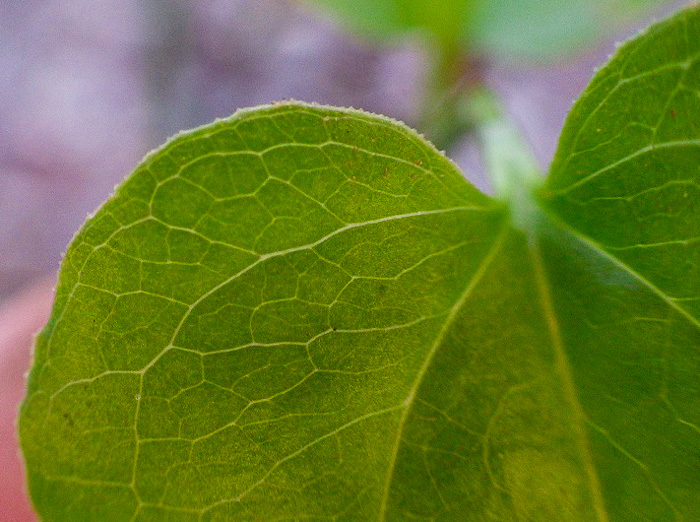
449, 320
566, 378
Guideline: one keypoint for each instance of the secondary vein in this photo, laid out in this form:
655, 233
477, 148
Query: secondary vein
599, 249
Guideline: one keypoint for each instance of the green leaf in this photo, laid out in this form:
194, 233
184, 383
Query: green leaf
510, 29
306, 313
625, 260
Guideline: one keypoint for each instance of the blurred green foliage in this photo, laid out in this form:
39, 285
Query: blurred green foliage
509, 29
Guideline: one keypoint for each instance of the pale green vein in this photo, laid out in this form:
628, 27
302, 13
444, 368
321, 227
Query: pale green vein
261, 259
297, 452
642, 466
598, 248
622, 81
566, 376
409, 401
308, 246
497, 412
649, 148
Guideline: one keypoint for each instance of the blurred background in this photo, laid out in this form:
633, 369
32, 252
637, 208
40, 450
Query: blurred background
88, 87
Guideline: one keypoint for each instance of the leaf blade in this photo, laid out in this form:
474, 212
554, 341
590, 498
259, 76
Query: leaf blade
661, 124
307, 312
609, 220
162, 404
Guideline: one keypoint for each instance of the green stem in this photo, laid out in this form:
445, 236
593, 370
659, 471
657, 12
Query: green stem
441, 119
458, 102
507, 158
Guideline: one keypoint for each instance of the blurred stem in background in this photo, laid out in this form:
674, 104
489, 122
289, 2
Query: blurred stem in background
508, 158
443, 118
458, 33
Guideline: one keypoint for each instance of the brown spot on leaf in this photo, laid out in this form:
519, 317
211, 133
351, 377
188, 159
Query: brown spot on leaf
69, 420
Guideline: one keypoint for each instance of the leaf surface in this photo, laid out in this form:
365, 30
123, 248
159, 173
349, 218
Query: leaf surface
624, 195
307, 313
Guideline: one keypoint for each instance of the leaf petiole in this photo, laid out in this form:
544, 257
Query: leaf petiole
507, 158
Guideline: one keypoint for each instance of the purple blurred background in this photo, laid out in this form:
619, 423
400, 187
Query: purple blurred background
87, 88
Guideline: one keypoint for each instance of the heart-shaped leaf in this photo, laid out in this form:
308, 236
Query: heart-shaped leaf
306, 313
